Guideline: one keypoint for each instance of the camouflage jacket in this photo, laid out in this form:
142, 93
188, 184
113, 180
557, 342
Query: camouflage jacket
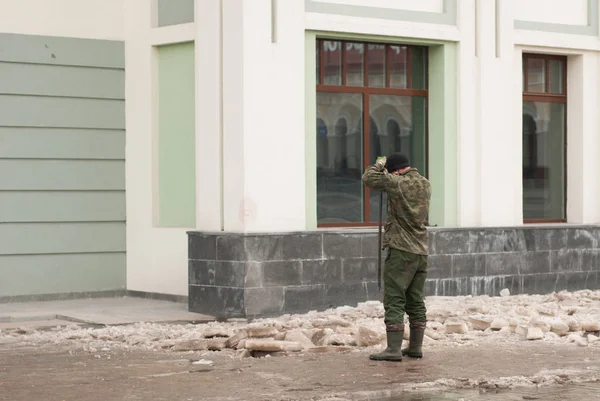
408, 196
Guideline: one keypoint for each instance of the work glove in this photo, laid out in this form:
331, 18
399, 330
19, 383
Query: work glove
381, 161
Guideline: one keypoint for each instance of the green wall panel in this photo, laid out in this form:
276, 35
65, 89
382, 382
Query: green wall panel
311, 129
51, 274
53, 238
61, 143
62, 51
52, 80
63, 206
174, 12
176, 136
21, 174
32, 111
62, 165
443, 153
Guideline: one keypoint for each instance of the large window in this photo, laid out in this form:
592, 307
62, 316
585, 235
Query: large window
371, 101
544, 138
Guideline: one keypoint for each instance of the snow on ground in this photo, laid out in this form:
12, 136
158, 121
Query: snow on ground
557, 318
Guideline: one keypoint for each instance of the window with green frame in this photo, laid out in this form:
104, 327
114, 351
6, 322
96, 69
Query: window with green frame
371, 101
544, 138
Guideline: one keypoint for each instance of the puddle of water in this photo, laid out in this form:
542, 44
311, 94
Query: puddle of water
586, 391
446, 395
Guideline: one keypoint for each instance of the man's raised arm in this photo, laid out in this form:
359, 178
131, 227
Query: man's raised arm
376, 176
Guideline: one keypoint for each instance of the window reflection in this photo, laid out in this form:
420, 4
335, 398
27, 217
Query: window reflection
339, 158
355, 69
395, 90
418, 68
377, 66
556, 76
397, 125
398, 67
332, 62
544, 138
543, 160
536, 75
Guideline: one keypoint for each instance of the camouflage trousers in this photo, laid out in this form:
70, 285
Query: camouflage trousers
404, 281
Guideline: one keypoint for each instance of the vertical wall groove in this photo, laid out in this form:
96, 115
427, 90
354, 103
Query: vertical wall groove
221, 117
273, 21
477, 27
497, 38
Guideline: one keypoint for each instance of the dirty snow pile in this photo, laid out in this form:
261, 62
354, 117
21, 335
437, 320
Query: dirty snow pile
567, 318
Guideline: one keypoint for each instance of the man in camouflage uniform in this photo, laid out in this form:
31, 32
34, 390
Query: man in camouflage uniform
407, 242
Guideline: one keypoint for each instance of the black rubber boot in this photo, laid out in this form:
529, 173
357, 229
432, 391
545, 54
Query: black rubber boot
393, 351
415, 345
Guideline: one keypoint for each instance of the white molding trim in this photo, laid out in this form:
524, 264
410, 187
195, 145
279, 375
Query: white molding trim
364, 26
167, 35
555, 41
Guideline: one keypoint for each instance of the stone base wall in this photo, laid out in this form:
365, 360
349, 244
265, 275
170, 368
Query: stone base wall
255, 275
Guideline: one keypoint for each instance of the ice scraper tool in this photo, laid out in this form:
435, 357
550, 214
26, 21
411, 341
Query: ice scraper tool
379, 241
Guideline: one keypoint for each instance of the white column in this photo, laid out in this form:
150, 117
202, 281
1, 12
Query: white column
583, 148
468, 148
500, 174
263, 117
156, 256
209, 129
233, 115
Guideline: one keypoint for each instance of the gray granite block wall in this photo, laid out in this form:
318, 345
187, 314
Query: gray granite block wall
253, 275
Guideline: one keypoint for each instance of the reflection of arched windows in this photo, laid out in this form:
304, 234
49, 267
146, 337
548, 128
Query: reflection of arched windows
375, 141
393, 130
322, 144
341, 129
530, 161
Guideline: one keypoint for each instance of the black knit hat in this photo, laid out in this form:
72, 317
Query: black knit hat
396, 161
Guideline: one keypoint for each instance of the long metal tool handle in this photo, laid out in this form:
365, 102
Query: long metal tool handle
379, 241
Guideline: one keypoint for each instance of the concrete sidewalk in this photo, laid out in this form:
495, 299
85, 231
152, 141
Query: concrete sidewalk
103, 311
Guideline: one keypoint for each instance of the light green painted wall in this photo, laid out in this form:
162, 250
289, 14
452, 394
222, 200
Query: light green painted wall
65, 206
61, 273
441, 120
62, 165
61, 112
60, 143
69, 52
311, 130
443, 135
176, 136
62, 175
72, 237
173, 12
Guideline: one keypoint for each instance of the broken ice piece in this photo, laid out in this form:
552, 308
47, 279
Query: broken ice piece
480, 322
456, 327
535, 333
498, 324
262, 332
203, 362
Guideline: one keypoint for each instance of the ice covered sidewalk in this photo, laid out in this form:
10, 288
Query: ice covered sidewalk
97, 311
554, 319
522, 341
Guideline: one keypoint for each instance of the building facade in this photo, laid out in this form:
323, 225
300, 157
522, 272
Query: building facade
249, 123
